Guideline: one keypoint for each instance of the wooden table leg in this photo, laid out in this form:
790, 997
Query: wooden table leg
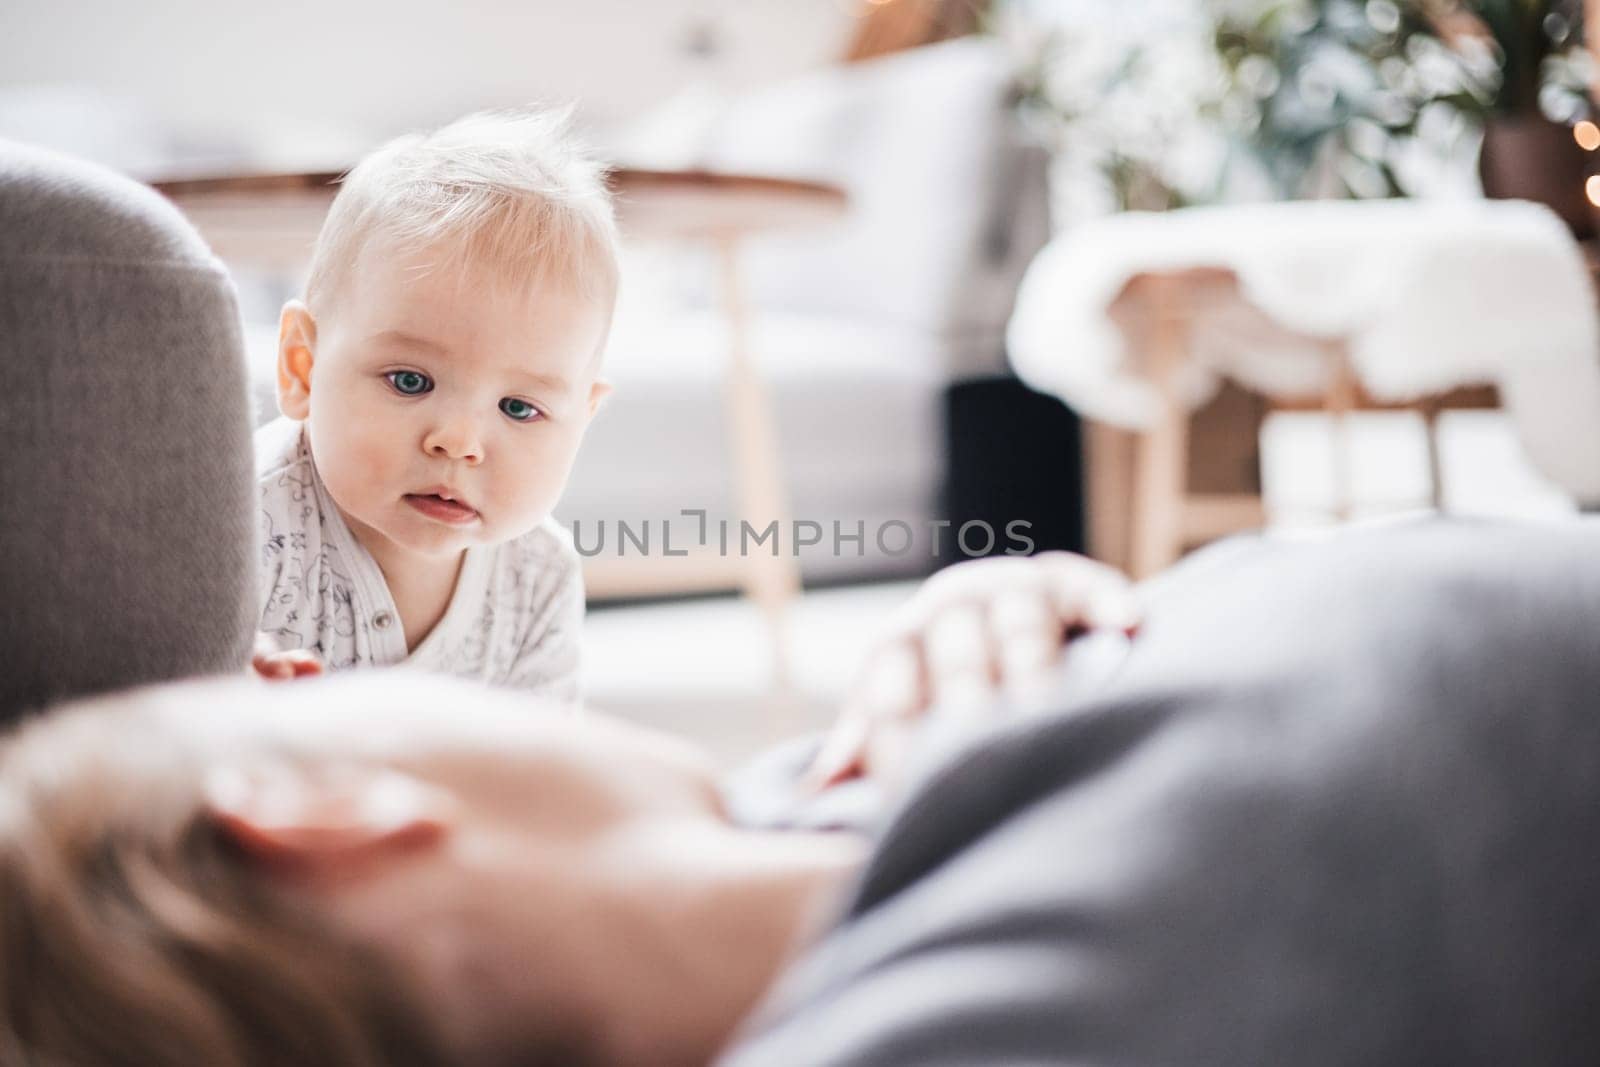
1429, 408
1108, 480
1340, 402
1161, 461
771, 579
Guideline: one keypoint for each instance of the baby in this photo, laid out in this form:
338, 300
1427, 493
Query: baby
435, 385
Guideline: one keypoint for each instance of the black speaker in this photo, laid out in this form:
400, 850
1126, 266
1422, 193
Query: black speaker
1013, 456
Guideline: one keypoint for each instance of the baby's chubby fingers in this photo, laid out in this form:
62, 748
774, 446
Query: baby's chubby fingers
271, 667
282, 666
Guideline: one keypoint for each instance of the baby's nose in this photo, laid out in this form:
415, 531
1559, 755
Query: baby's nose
456, 440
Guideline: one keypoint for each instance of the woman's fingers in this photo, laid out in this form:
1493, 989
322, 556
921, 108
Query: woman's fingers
842, 755
962, 658
889, 749
893, 685
970, 631
1028, 634
1091, 596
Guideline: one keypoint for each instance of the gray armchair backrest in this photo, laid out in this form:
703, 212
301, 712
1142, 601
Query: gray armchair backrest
125, 513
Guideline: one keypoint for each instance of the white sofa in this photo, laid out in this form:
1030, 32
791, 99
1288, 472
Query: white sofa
860, 328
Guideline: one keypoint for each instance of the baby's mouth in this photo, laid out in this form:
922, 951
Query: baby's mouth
441, 508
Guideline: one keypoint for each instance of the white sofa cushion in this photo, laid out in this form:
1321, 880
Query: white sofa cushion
922, 143
857, 414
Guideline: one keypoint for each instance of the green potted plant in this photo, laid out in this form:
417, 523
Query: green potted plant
1289, 99
1529, 149
1335, 92
1251, 99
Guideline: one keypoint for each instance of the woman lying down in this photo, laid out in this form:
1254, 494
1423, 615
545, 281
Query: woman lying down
1219, 856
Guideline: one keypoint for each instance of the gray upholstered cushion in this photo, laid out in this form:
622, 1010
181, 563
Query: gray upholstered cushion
124, 441
1341, 807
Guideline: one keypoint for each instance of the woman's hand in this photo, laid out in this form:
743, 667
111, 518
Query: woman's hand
970, 632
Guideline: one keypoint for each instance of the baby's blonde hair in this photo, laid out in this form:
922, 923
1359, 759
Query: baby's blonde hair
513, 190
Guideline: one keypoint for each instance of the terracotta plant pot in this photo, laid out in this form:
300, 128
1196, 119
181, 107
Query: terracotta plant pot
1528, 157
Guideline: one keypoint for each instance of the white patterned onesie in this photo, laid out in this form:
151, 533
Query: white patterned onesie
514, 619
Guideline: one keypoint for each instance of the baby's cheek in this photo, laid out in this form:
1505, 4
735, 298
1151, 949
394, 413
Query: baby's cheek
375, 455
535, 491
363, 463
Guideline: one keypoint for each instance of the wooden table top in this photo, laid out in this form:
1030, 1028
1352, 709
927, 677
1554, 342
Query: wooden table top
702, 203
273, 218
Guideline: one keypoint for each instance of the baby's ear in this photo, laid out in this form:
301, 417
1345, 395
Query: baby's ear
297, 340
598, 393
323, 820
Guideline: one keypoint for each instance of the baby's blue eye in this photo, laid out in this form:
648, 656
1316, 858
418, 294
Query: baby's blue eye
520, 410
409, 382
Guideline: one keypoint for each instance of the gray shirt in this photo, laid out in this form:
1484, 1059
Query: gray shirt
1340, 806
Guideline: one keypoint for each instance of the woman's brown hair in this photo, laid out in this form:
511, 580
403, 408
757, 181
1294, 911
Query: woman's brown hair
132, 932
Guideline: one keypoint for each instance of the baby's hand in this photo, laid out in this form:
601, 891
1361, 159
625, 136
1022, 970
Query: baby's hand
970, 631
275, 665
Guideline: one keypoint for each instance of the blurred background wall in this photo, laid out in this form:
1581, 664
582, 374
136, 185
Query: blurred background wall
292, 82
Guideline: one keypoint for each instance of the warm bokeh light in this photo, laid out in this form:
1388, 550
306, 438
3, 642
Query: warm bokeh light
1587, 134
1591, 189
859, 8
